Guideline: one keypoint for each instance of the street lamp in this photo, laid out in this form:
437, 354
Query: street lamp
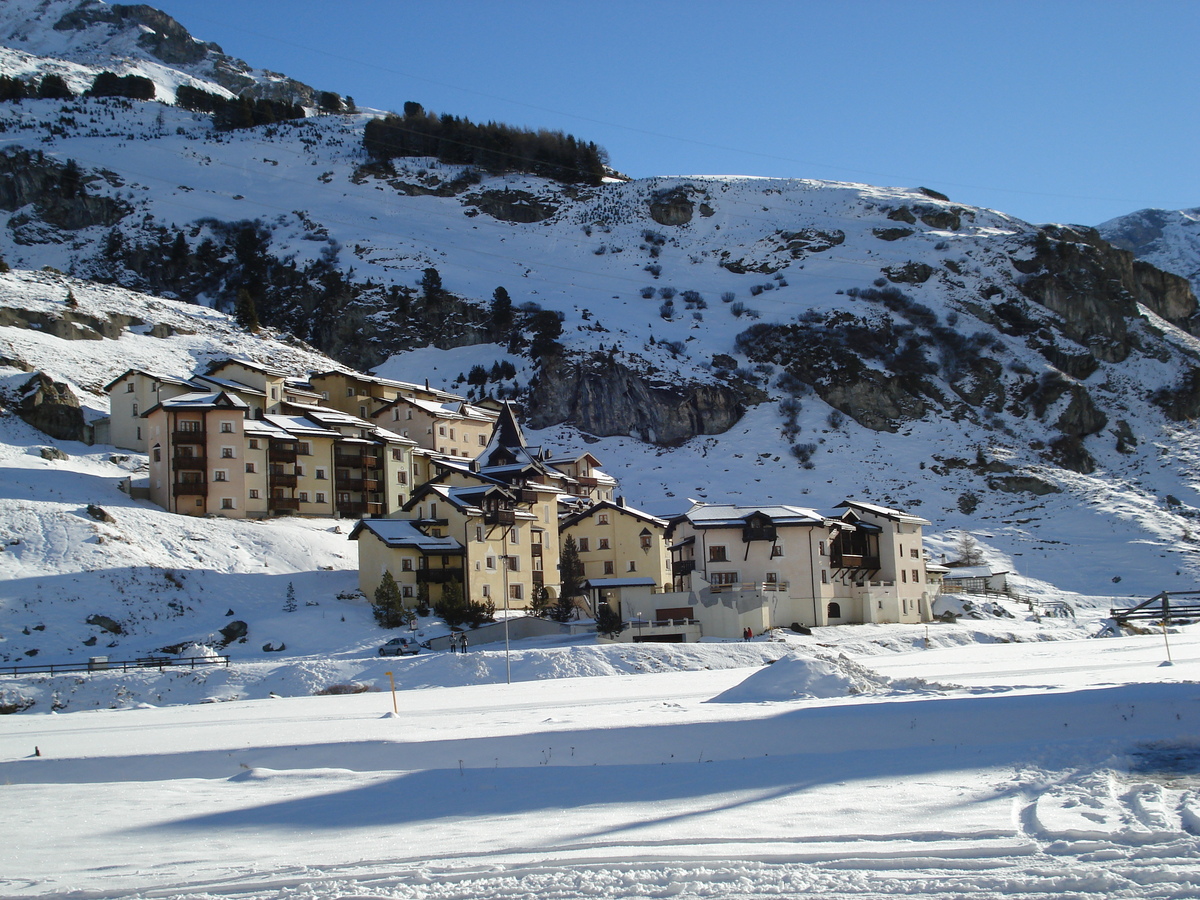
639, 626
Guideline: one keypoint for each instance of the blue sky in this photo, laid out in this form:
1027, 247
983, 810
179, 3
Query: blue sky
1051, 111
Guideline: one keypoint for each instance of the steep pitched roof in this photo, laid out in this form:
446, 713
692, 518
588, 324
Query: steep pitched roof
401, 533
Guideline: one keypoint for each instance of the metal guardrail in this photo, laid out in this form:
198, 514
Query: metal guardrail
104, 664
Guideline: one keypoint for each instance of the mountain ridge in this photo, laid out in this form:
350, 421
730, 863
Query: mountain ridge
735, 337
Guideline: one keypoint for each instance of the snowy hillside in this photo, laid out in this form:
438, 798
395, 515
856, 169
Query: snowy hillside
1167, 238
967, 401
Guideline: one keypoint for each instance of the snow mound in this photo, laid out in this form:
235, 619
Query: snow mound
799, 677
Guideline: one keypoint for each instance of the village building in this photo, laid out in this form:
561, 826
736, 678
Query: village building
130, 394
742, 568
209, 456
623, 552
436, 420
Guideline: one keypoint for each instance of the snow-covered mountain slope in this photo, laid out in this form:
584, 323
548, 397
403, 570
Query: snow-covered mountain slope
790, 340
1166, 238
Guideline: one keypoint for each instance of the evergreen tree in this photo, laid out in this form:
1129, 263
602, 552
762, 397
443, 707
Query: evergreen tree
423, 599
289, 604
246, 313
539, 604
452, 607
72, 303
431, 284
570, 576
608, 623
501, 310
388, 606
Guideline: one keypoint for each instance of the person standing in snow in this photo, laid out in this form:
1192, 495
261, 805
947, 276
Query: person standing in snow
453, 642
462, 642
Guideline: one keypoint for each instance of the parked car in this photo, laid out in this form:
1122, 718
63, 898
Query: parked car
399, 647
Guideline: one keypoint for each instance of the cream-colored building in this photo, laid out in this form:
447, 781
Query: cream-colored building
130, 395
620, 548
742, 567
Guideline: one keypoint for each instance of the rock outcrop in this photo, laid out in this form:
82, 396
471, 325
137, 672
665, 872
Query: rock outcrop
52, 408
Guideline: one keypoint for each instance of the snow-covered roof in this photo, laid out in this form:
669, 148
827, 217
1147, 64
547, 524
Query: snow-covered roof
619, 582
299, 425
230, 385
203, 400
885, 512
399, 533
165, 379
727, 515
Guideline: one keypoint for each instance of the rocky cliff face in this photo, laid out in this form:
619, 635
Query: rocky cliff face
602, 396
1167, 239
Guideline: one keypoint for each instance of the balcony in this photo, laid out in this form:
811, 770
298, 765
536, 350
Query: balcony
189, 437
525, 495
767, 533
499, 517
375, 509
347, 461
439, 576
281, 455
683, 566
588, 480
352, 510
190, 488
537, 578
189, 463
277, 503
852, 561
370, 461
370, 484
281, 479
350, 484
535, 550
768, 586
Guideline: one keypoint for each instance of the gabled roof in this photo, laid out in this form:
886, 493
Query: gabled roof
301, 426
884, 512
230, 385
218, 364
401, 533
727, 515
606, 506
201, 400
165, 379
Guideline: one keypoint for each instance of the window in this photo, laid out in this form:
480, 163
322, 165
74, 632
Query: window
274, 393
408, 415
304, 448
253, 493
833, 611
916, 577
226, 453
608, 567
129, 388
157, 453
304, 496
398, 455
821, 548
253, 443
299, 470
349, 392
441, 431
135, 408
139, 432
514, 563
402, 478
490, 562
406, 565
776, 550
903, 576
362, 412
487, 591
824, 577
603, 543
515, 537
451, 434
249, 468
584, 545
632, 566
478, 532
406, 591
321, 474
324, 395
192, 426
482, 440
645, 542
717, 553
602, 518
514, 592
915, 554
724, 578
226, 428
226, 503
220, 475
772, 578
320, 498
